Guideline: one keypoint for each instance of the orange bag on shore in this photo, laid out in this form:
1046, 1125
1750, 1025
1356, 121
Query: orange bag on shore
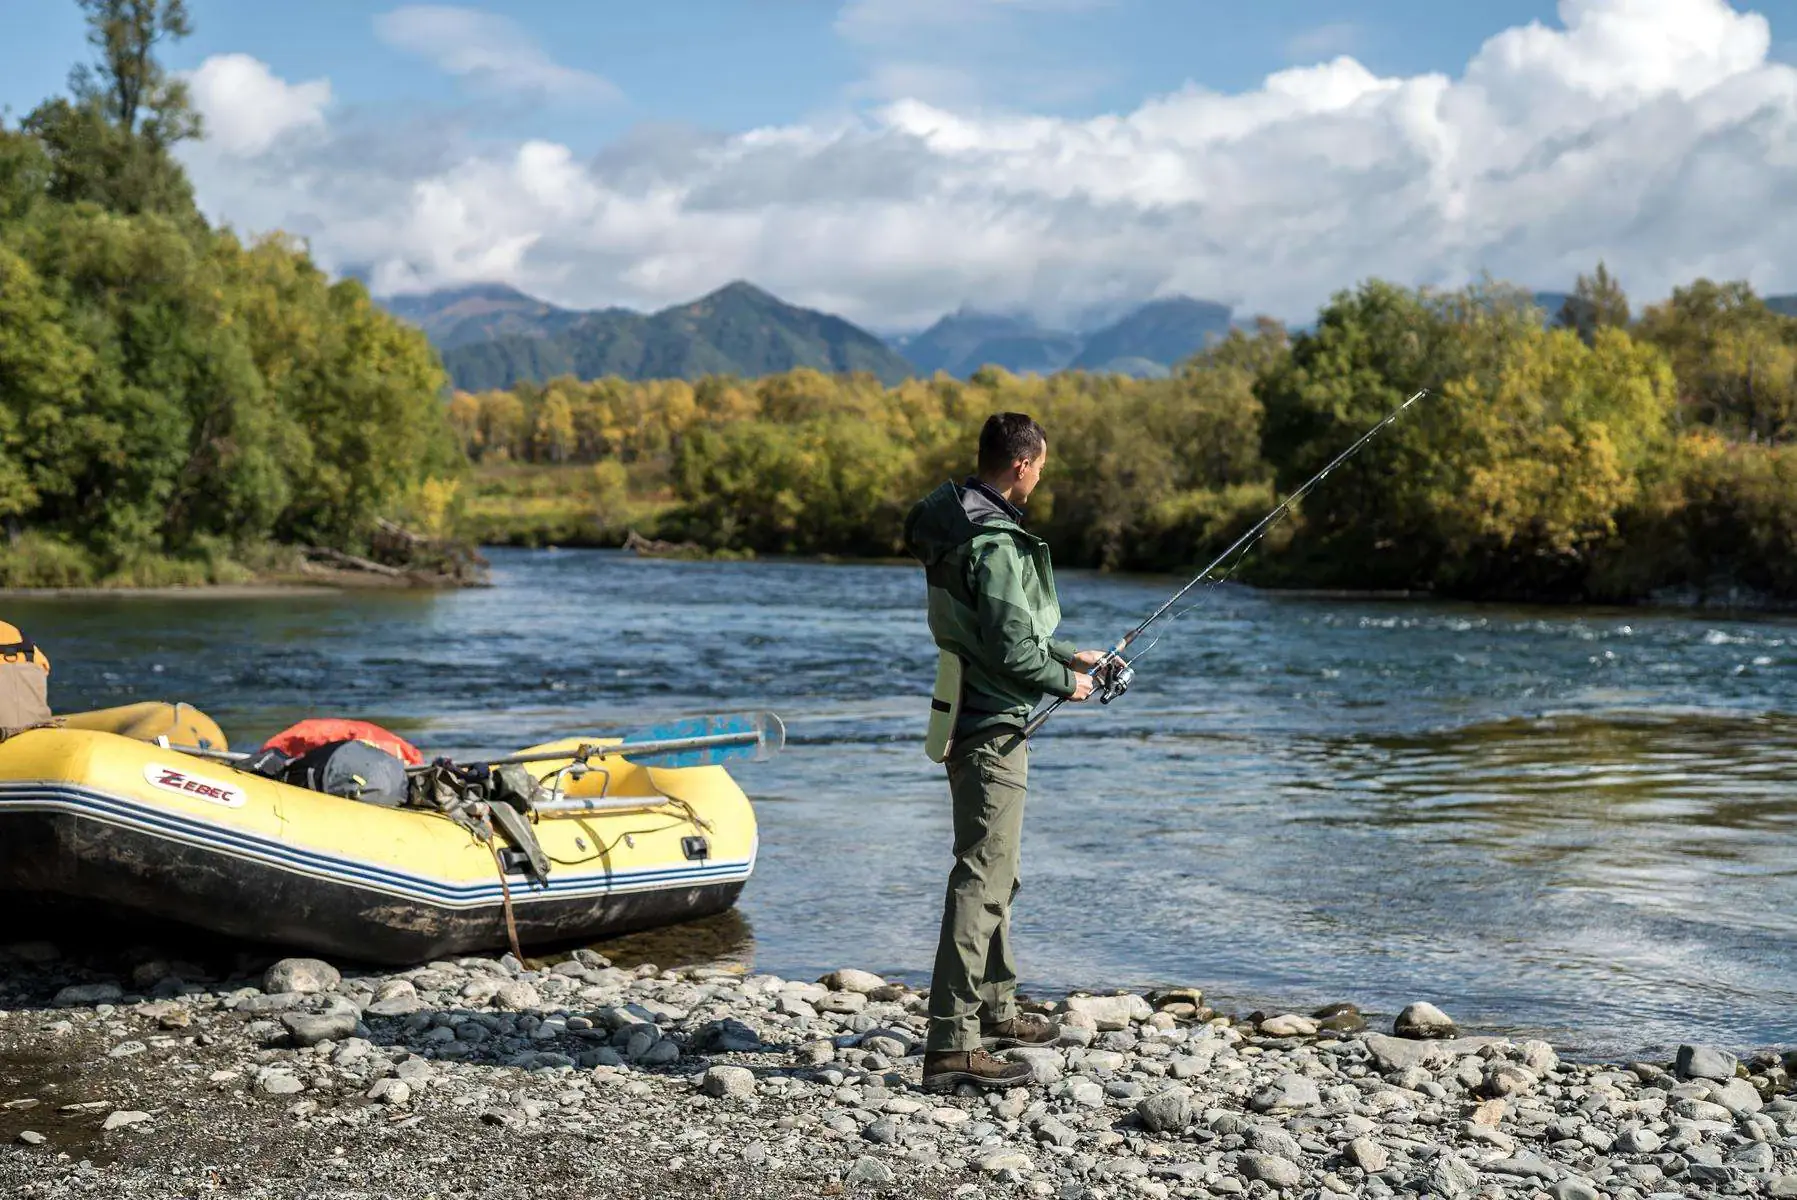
310, 734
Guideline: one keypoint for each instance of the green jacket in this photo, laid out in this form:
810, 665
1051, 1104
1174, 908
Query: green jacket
992, 602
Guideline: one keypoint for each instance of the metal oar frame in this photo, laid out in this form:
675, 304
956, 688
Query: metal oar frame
643, 749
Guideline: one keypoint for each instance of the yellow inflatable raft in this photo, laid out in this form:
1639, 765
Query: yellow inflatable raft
94, 818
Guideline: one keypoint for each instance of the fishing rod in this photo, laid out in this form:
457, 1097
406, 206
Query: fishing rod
1113, 673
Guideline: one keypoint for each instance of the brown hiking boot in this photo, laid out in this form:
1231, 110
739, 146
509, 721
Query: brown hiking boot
1024, 1029
943, 1071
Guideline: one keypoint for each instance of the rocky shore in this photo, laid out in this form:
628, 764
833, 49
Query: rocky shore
489, 1077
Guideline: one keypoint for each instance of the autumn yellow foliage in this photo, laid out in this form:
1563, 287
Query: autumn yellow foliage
1578, 459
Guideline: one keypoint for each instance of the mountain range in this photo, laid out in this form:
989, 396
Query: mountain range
493, 336
1144, 342
462, 316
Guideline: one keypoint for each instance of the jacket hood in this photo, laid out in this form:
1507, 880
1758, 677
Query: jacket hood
949, 517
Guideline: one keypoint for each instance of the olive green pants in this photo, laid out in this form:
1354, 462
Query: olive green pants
975, 977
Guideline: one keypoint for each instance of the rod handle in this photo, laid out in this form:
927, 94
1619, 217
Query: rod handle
1035, 722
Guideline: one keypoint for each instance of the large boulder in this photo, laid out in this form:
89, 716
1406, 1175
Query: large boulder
729, 1083
1704, 1062
730, 1036
309, 1029
1046, 1063
301, 975
1168, 1111
1737, 1096
1288, 1025
1509, 1079
77, 994
1270, 1169
1398, 1054
850, 980
395, 998
1110, 1013
1424, 1020
516, 995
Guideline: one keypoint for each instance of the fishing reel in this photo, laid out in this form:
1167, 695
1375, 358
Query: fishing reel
1112, 679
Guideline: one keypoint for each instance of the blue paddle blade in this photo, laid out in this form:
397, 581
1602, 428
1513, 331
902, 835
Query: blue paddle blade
747, 737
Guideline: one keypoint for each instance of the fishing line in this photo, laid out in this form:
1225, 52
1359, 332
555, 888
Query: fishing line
1214, 584
1113, 674
1283, 511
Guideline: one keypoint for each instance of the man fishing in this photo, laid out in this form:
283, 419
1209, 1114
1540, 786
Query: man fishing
993, 613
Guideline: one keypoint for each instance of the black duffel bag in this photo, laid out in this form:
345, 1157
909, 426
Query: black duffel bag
350, 768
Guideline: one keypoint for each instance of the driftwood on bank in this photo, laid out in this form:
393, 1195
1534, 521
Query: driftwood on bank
400, 557
354, 562
636, 543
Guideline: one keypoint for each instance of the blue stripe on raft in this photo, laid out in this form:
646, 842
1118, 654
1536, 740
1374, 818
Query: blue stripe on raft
117, 810
331, 866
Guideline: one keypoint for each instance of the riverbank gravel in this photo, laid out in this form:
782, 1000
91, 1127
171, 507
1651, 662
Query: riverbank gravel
487, 1077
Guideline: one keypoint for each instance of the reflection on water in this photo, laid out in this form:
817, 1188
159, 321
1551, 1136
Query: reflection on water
726, 940
1567, 822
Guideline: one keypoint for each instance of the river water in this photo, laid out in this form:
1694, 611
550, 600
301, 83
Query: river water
1571, 823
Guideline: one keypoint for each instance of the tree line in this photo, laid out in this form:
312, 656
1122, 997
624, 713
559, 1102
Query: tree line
173, 401
1582, 455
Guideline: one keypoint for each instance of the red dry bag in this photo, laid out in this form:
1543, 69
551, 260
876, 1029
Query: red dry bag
295, 740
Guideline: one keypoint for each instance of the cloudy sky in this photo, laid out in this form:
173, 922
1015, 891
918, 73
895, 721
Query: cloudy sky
891, 160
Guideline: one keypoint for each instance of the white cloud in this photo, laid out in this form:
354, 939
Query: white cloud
1657, 134
493, 52
247, 108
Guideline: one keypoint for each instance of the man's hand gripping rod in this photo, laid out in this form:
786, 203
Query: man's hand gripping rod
1113, 674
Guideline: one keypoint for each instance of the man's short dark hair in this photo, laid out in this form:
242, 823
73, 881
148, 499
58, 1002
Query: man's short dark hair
1008, 437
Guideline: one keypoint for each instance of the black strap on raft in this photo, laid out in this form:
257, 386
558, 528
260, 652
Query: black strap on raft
24, 648
479, 799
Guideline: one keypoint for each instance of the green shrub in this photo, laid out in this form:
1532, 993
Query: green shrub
40, 560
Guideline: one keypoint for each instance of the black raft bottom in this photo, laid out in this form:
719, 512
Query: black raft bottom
78, 874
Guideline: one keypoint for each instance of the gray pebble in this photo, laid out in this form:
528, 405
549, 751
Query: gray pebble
1289, 1093
1271, 1169
309, 1029
725, 1082
868, 1172
1573, 1188
1452, 1176
1368, 1155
